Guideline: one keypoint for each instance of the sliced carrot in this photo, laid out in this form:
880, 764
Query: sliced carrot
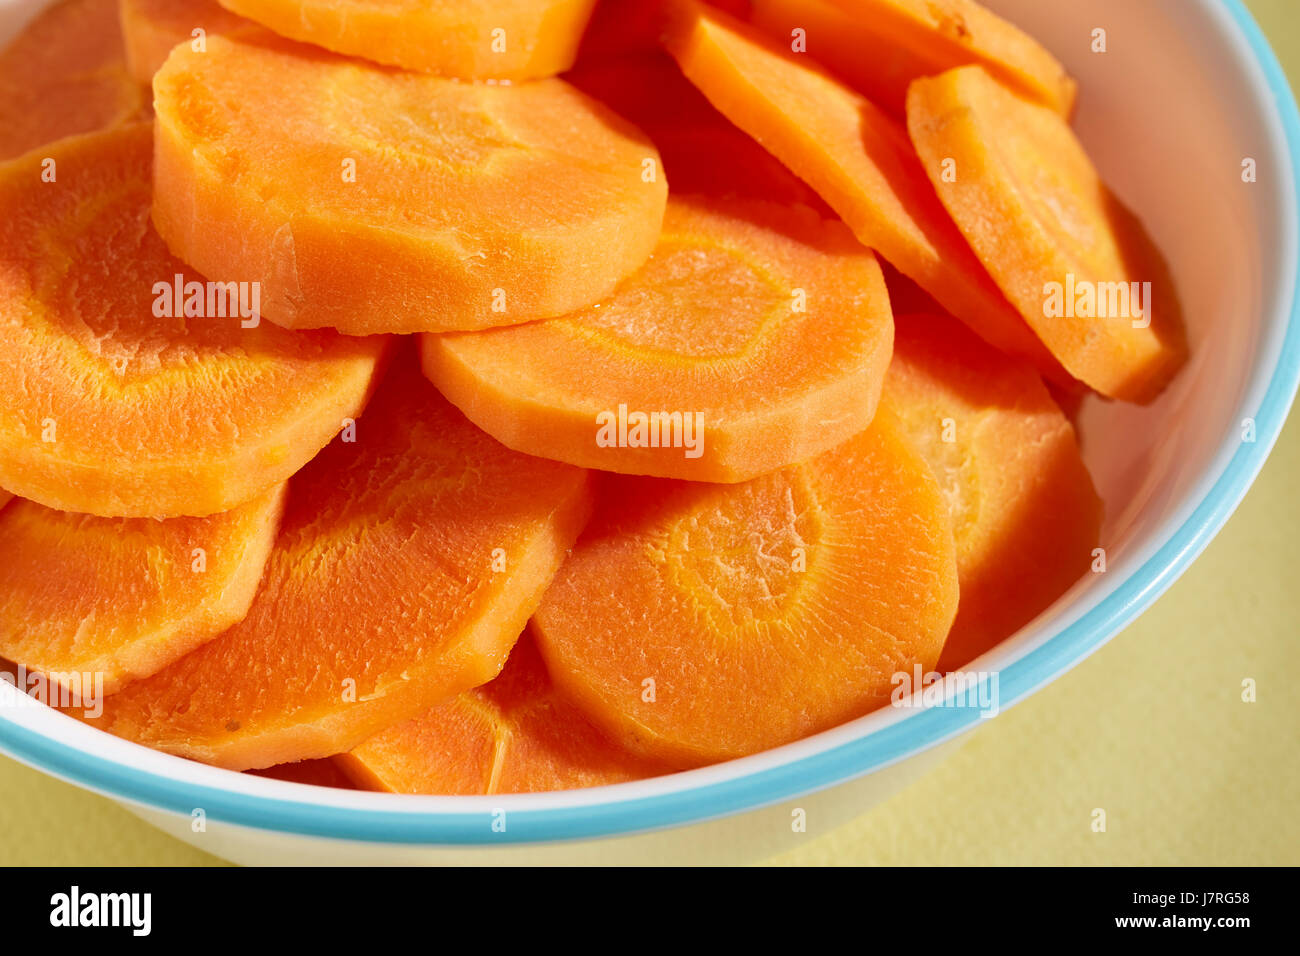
407, 564
1025, 514
64, 74
515, 734
880, 46
733, 618
151, 28
376, 201
487, 39
315, 773
121, 598
108, 406
755, 337
855, 157
702, 151
1063, 248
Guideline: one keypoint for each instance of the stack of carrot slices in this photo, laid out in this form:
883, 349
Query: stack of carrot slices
541, 394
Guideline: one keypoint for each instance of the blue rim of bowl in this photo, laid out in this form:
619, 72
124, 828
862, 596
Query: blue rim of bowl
919, 731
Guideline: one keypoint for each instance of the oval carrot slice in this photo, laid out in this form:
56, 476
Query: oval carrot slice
487, 39
408, 563
109, 406
65, 74
1025, 514
376, 201
854, 156
880, 46
755, 337
121, 598
1077, 264
151, 28
733, 618
515, 734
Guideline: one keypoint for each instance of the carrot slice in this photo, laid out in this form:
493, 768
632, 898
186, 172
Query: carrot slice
407, 564
880, 46
121, 598
64, 74
488, 39
702, 151
108, 406
1025, 514
755, 337
375, 201
854, 156
733, 618
515, 734
151, 28
1063, 248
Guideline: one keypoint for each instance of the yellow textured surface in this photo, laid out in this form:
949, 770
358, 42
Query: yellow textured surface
1151, 728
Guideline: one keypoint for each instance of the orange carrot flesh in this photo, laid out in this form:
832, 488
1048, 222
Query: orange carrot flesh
880, 46
515, 734
315, 773
114, 401
712, 337
407, 564
1026, 517
734, 618
1063, 248
488, 39
151, 28
855, 157
65, 74
370, 200
121, 598
702, 151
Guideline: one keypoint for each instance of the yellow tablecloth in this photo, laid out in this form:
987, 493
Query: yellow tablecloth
1152, 728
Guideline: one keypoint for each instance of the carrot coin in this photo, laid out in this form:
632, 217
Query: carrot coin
1025, 514
880, 46
151, 28
515, 734
1069, 255
129, 386
371, 200
64, 74
857, 158
486, 39
408, 563
696, 623
755, 337
121, 598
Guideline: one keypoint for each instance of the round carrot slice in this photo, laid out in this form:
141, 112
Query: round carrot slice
880, 46
697, 623
515, 734
755, 337
1025, 514
376, 201
151, 28
114, 401
857, 158
121, 598
64, 74
1077, 264
408, 563
487, 39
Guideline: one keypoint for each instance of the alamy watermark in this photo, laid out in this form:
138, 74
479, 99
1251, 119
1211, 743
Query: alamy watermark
633, 429
977, 690
65, 690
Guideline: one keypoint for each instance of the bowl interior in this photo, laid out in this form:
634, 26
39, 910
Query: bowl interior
1170, 111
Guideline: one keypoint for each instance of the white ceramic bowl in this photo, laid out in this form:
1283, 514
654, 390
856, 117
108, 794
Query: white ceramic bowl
1187, 91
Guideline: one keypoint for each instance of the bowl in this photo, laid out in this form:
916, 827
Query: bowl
1185, 98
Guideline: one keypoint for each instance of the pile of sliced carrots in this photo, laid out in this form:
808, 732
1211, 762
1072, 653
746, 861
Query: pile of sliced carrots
524, 395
